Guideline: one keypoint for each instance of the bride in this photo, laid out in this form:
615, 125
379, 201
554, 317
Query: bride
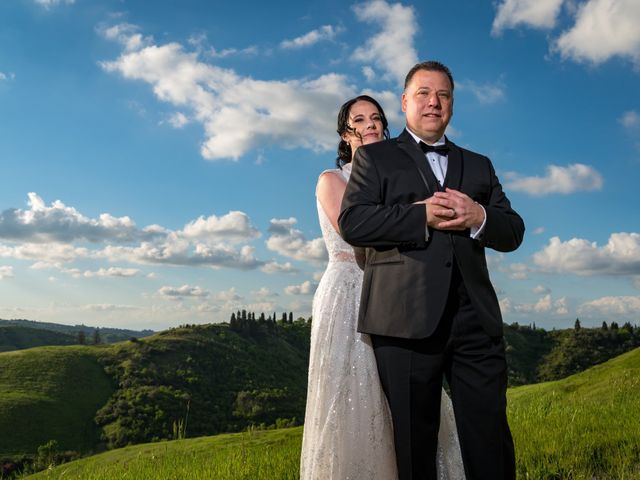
348, 433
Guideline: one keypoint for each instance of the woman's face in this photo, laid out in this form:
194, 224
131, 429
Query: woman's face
365, 125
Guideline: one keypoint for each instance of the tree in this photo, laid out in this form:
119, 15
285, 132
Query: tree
290, 317
82, 339
576, 325
605, 327
614, 326
96, 337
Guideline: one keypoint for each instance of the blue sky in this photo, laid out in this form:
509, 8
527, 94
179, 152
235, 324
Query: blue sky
159, 159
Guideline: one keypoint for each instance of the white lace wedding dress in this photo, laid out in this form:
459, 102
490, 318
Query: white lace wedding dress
348, 433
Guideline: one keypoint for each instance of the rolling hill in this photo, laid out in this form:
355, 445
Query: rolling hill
583, 427
201, 380
51, 393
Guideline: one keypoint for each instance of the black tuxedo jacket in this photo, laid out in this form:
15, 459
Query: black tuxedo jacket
407, 278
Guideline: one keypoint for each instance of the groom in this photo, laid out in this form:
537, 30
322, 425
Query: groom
426, 209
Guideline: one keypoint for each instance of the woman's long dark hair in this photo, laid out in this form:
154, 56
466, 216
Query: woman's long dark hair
344, 149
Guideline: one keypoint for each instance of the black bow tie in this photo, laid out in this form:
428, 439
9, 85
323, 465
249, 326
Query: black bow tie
439, 149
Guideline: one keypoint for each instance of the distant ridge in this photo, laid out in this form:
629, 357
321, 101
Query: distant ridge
14, 337
107, 334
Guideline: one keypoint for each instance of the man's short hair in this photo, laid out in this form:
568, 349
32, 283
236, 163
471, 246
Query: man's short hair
431, 66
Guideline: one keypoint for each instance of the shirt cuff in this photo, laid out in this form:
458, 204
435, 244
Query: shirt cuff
476, 232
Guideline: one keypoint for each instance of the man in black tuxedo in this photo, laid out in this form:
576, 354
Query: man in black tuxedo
426, 209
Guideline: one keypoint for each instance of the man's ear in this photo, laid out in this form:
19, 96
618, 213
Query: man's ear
404, 102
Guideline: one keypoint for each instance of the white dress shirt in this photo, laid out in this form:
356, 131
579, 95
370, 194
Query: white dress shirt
439, 164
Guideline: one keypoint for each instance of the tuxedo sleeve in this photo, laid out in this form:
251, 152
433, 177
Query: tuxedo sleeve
504, 228
368, 220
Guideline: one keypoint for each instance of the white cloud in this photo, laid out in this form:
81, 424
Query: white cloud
6, 272
275, 267
369, 73
620, 256
126, 35
235, 226
603, 29
238, 113
199, 41
49, 253
305, 288
112, 272
178, 120
179, 252
290, 242
563, 180
545, 305
7, 76
538, 231
532, 13
518, 271
59, 223
53, 3
630, 120
326, 32
541, 289
264, 293
626, 306
108, 307
230, 295
392, 49
228, 52
46, 235
183, 291
486, 93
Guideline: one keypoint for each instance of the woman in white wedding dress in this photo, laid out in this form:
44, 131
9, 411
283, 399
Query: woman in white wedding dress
348, 432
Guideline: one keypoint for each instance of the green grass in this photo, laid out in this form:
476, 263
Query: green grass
586, 426
50, 393
254, 455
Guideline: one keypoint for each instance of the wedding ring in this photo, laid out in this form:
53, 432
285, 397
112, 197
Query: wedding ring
454, 213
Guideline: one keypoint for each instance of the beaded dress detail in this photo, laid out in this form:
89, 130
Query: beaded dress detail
348, 433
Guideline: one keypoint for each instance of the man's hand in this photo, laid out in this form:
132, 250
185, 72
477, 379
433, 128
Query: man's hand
452, 210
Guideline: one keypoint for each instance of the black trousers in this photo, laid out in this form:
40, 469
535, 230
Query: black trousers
412, 371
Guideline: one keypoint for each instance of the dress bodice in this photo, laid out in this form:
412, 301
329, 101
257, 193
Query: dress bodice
338, 249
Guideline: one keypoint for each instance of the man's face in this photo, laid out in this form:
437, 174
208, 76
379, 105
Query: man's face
428, 104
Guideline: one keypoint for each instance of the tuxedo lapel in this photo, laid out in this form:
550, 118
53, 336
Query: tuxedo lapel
453, 179
407, 144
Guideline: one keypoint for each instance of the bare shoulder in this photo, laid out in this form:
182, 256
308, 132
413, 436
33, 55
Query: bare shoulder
329, 182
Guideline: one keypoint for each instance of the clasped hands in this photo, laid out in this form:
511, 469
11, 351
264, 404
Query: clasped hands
452, 210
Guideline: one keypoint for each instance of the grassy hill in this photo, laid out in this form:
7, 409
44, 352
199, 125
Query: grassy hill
255, 455
51, 393
585, 427
13, 337
201, 380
